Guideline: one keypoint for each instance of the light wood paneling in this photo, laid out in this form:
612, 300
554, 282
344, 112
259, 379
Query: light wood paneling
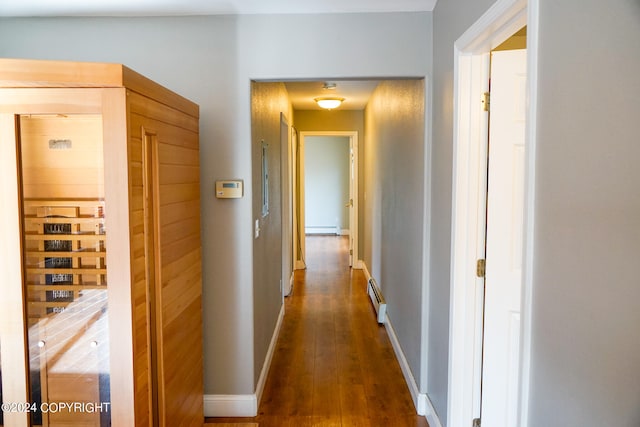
22, 73
12, 311
75, 171
178, 295
129, 103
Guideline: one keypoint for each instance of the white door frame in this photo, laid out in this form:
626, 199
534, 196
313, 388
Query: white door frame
471, 72
353, 216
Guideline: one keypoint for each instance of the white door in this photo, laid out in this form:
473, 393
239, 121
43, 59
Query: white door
505, 201
352, 192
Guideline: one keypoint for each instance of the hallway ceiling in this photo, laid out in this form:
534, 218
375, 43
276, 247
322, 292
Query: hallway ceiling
204, 7
356, 93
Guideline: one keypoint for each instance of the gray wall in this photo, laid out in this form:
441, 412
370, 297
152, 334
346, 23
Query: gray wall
586, 291
394, 181
586, 345
326, 182
211, 60
450, 20
268, 101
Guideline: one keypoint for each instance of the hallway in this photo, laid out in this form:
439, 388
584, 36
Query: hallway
333, 364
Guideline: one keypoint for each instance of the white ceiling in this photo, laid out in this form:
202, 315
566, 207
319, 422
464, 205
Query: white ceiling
203, 7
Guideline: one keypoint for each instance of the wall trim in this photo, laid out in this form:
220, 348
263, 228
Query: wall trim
230, 405
267, 360
243, 405
404, 365
365, 270
430, 412
470, 52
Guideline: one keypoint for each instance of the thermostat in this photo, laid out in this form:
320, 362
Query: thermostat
230, 189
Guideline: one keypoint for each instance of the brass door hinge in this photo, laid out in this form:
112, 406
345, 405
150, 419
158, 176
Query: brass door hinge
481, 267
486, 101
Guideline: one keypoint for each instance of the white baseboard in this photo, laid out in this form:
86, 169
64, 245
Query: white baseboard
365, 270
243, 405
233, 405
267, 360
430, 412
421, 401
404, 365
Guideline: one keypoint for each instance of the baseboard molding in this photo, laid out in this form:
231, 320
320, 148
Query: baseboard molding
430, 412
421, 401
267, 360
404, 365
233, 405
243, 405
365, 270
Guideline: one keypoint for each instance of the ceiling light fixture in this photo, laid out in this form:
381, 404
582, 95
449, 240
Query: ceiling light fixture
329, 103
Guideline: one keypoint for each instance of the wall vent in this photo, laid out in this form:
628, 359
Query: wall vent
377, 300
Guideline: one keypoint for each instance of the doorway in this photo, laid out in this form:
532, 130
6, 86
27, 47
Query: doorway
347, 209
469, 214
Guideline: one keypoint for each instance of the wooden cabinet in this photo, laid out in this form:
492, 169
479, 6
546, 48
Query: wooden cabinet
100, 248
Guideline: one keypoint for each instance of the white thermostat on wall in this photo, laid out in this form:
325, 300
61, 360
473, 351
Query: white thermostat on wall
229, 189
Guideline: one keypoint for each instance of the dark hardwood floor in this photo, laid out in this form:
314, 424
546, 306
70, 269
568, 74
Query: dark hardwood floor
333, 364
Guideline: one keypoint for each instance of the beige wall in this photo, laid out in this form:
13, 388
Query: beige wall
342, 121
268, 102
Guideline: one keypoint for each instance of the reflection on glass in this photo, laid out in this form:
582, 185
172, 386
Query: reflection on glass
65, 269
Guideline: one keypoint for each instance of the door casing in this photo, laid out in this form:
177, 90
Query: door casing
299, 235
471, 76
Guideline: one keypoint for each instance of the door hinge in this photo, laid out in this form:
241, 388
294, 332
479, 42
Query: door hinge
476, 422
351, 252
481, 267
486, 101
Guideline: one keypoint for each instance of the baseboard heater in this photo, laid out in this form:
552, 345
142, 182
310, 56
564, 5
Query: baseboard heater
377, 300
322, 229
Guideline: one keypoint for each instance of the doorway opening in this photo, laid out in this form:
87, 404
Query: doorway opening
327, 190
470, 215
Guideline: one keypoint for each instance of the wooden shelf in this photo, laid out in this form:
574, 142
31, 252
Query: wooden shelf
78, 225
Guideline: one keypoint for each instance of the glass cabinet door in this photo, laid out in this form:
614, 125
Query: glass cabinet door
65, 276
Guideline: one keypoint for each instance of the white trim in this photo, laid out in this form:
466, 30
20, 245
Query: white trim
430, 412
230, 405
365, 270
404, 365
354, 142
426, 243
243, 405
269, 357
533, 31
500, 21
421, 401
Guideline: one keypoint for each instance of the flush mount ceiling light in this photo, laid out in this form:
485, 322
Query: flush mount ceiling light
329, 103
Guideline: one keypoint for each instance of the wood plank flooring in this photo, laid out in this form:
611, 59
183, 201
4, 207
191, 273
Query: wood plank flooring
333, 364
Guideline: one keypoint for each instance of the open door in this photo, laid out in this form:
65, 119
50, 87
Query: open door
505, 202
